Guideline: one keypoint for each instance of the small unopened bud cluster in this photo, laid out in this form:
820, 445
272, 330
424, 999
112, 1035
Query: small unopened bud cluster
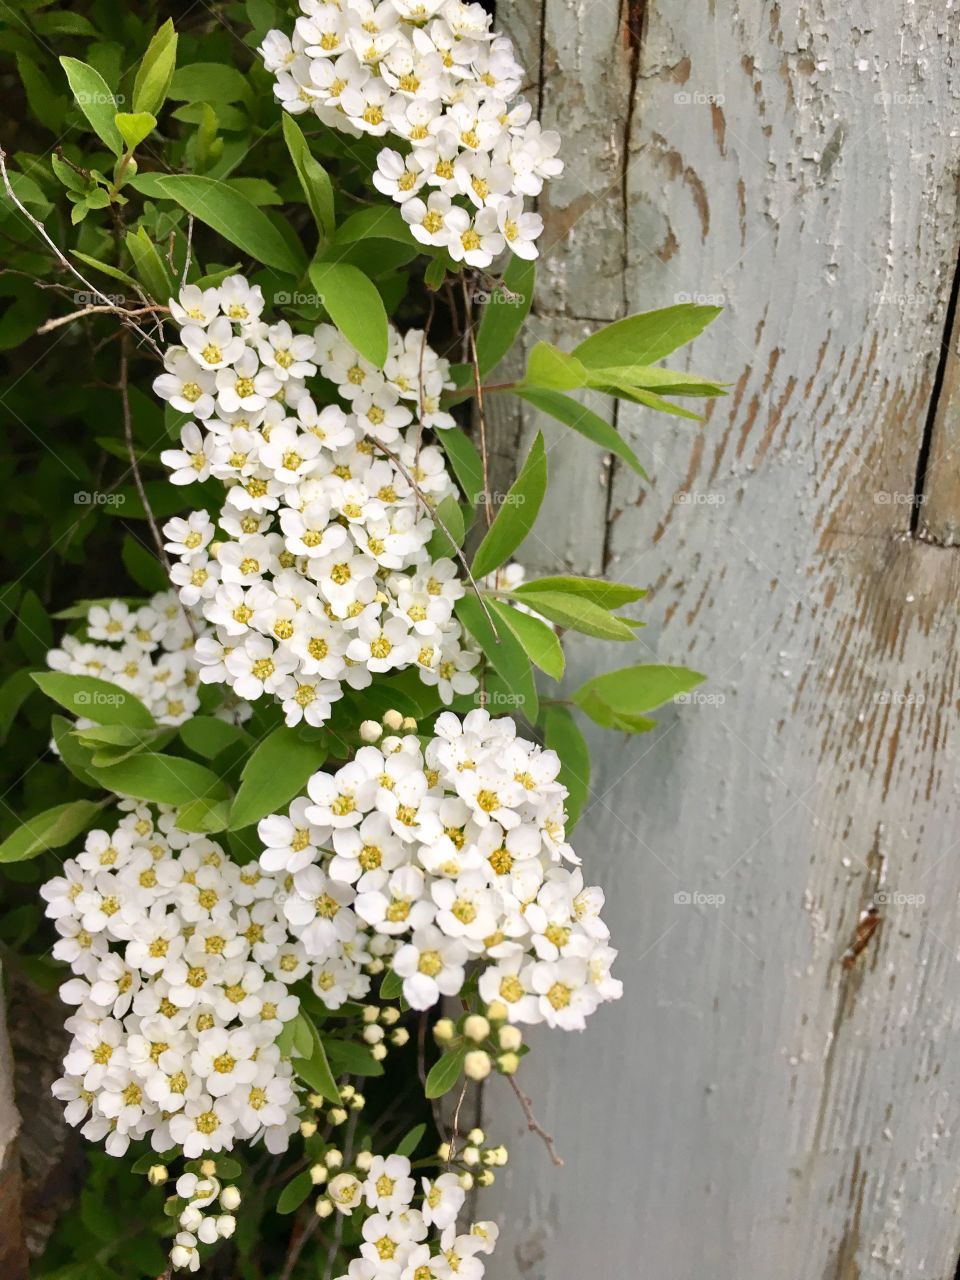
476, 1160
492, 1043
200, 1223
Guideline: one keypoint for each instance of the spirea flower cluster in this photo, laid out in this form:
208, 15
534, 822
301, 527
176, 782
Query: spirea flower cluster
406, 1232
183, 967
442, 857
433, 74
148, 651
319, 574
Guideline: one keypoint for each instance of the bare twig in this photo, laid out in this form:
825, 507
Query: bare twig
435, 516
189, 253
455, 1130
61, 257
298, 1242
97, 309
124, 388
478, 392
423, 350
533, 1124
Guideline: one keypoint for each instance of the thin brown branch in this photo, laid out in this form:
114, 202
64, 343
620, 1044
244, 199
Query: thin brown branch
189, 253
97, 309
533, 1124
298, 1241
61, 257
124, 388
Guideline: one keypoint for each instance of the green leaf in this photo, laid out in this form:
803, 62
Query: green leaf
578, 613
583, 420
209, 82
14, 692
314, 179
548, 366
143, 566
314, 1068
73, 754
517, 513
134, 128
408, 1145
207, 736
506, 656
346, 1057
149, 266
450, 517
648, 398
644, 338
465, 460
540, 643
95, 699
504, 311
92, 95
562, 734
391, 988
108, 269
445, 1073
276, 772
161, 779
355, 307
203, 816
618, 699
376, 222
234, 217
49, 830
665, 382
156, 67
295, 1192
609, 595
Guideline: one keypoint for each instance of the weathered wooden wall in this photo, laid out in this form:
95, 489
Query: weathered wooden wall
753, 1108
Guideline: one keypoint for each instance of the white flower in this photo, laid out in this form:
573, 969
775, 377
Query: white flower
431, 965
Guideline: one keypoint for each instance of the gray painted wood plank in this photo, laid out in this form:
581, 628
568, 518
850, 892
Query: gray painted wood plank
753, 1107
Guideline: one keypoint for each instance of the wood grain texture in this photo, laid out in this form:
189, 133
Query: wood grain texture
754, 1107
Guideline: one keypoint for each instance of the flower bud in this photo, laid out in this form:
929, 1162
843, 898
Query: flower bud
393, 720
470, 1156
443, 1151
510, 1038
466, 1181
336, 1115
333, 1158
370, 731
190, 1218
364, 1160
477, 1065
373, 1034
409, 724
208, 1168
323, 1208
230, 1198
308, 1128
476, 1027
357, 1102
389, 1016
378, 1052
444, 1031
180, 1256
507, 1063
318, 1174
476, 1136
370, 1013
157, 1175
486, 1178
399, 1037
226, 1225
497, 1011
